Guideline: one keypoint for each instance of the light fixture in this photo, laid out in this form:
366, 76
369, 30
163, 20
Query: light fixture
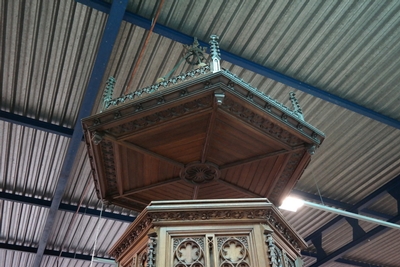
292, 204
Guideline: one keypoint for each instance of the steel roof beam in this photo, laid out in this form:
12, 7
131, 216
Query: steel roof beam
49, 252
338, 204
355, 243
103, 54
35, 124
361, 205
249, 65
66, 207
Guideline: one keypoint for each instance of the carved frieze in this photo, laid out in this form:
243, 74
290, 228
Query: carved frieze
287, 173
109, 165
259, 122
132, 237
162, 116
276, 223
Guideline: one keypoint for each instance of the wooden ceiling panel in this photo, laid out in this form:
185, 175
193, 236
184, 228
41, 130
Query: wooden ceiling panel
178, 190
231, 142
215, 190
142, 170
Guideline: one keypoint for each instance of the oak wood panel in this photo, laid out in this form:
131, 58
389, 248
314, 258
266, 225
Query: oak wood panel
171, 133
215, 190
231, 143
178, 190
143, 170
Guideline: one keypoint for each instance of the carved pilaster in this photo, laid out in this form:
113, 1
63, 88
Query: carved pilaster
151, 251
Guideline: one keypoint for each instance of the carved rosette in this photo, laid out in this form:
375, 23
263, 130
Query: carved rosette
200, 173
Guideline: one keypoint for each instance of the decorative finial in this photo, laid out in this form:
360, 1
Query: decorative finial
108, 92
215, 54
296, 107
194, 55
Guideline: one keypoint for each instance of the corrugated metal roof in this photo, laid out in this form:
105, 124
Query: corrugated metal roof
15, 258
30, 160
347, 48
21, 224
78, 235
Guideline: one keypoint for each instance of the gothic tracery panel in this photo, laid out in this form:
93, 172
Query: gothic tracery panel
233, 251
189, 252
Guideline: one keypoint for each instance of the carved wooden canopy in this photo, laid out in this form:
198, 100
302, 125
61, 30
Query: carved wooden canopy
200, 135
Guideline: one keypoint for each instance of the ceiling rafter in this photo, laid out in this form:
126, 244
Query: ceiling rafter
35, 124
49, 252
368, 200
66, 207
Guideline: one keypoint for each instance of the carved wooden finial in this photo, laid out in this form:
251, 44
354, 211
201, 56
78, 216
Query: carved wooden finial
296, 107
215, 54
108, 92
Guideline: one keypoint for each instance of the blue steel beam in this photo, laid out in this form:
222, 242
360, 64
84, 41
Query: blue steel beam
249, 65
105, 49
35, 124
362, 204
356, 243
66, 207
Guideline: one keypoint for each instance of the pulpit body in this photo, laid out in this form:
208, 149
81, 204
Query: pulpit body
209, 233
195, 153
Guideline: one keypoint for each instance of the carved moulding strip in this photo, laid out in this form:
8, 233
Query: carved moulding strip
162, 116
286, 175
262, 123
138, 230
110, 172
151, 252
277, 256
